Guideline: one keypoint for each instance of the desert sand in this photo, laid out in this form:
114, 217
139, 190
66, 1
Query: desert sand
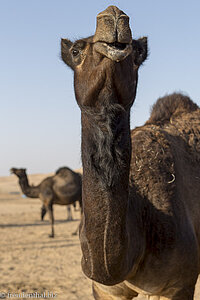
30, 261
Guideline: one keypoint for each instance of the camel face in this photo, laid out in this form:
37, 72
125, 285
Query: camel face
18, 172
106, 65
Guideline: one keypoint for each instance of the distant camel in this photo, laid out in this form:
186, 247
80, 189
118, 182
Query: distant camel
63, 188
140, 229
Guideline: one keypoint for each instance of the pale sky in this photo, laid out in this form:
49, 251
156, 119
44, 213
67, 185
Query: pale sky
40, 120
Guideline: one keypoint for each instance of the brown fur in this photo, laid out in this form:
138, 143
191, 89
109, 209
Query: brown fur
140, 229
63, 188
169, 106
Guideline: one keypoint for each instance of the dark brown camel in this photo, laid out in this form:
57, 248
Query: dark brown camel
64, 188
140, 230
33, 191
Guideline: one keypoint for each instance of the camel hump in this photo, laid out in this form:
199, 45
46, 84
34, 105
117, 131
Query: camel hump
64, 172
170, 105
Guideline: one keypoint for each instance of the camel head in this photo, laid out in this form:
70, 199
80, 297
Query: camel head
106, 64
19, 172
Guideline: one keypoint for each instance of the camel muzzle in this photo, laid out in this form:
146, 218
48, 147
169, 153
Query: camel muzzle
113, 36
12, 170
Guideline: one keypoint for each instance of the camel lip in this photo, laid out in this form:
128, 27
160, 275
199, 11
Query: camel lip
115, 51
13, 170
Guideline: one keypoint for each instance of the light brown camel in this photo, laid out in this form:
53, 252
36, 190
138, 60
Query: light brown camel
63, 188
140, 230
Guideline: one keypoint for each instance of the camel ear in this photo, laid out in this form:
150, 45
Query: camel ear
140, 50
65, 52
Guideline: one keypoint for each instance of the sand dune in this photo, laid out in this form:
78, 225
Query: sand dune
30, 261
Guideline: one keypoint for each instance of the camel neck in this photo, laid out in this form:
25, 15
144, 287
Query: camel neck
29, 191
106, 149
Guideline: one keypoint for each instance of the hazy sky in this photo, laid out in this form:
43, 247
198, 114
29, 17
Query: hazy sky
40, 120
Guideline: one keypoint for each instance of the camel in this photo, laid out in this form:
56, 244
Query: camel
140, 228
63, 188
33, 191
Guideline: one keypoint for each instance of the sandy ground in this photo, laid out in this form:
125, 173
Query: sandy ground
30, 261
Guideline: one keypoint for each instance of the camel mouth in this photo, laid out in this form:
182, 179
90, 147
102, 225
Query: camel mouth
117, 45
12, 170
115, 51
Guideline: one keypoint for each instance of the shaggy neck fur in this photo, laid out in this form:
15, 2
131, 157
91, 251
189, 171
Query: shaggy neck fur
106, 160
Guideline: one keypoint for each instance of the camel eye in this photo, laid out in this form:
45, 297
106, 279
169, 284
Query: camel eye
75, 52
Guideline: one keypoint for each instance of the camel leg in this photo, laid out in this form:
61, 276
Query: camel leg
69, 213
186, 293
117, 292
80, 205
51, 217
76, 231
43, 212
74, 205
